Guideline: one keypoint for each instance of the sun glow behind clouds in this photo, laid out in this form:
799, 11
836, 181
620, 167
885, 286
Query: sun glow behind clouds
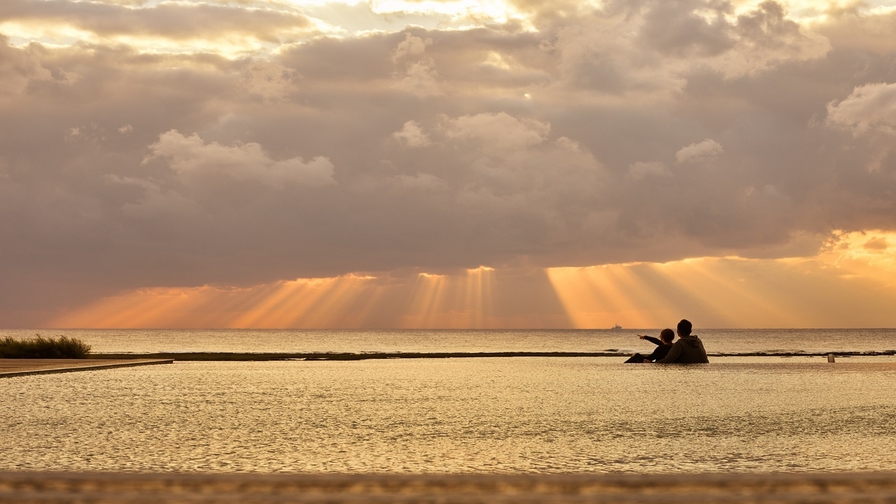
497, 11
210, 26
811, 10
271, 25
851, 283
349, 301
724, 291
230, 45
48, 34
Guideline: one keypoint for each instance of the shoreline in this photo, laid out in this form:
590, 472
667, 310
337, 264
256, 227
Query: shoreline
10, 368
349, 356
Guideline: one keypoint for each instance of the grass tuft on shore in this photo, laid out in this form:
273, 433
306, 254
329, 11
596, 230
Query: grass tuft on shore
39, 347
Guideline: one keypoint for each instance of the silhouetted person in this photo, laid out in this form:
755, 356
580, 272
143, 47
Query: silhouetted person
662, 347
687, 350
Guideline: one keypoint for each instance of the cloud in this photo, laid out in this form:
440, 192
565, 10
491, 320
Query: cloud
878, 243
859, 26
500, 131
648, 47
676, 28
18, 69
192, 157
156, 202
419, 76
411, 135
697, 152
270, 80
870, 107
421, 181
141, 152
640, 170
168, 20
411, 48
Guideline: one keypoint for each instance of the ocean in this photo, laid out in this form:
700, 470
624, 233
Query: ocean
483, 415
727, 341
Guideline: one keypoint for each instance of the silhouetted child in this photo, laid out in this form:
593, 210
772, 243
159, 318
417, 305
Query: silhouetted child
663, 345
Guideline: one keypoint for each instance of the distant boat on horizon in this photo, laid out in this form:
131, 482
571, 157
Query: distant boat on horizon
616, 327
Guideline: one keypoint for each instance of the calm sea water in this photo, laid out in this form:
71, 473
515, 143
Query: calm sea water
459, 415
624, 341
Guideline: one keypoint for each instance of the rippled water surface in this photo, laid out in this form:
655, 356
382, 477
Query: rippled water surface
623, 341
456, 415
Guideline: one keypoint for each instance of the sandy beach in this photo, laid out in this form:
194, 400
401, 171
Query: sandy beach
51, 487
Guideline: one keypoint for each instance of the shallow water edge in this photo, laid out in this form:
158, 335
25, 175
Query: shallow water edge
486, 415
350, 356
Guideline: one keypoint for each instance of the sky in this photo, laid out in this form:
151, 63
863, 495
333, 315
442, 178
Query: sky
454, 164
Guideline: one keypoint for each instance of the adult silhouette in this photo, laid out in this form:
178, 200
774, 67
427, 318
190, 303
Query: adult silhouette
687, 350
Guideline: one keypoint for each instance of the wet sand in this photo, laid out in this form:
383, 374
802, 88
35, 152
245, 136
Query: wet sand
39, 487
23, 367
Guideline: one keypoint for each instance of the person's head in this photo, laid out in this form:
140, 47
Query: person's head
684, 328
667, 335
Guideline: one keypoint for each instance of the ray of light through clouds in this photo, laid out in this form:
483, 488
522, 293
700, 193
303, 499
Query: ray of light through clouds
456, 163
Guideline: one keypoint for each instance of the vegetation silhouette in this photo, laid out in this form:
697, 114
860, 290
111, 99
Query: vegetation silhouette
40, 347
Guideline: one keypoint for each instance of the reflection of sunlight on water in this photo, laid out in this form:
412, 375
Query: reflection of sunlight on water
433, 416
717, 341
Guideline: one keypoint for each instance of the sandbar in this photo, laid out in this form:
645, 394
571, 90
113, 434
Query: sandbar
24, 367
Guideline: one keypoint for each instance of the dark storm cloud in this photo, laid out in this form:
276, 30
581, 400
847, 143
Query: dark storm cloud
603, 137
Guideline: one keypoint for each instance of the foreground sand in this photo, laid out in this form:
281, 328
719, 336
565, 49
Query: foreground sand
40, 487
